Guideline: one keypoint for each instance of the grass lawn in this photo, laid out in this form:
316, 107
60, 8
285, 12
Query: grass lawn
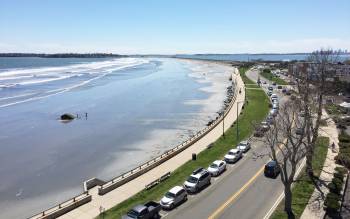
269, 76
248, 83
257, 100
304, 188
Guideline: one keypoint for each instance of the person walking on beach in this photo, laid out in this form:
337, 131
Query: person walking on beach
86, 115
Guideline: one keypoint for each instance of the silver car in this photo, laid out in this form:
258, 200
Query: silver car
173, 197
233, 155
217, 167
198, 179
244, 146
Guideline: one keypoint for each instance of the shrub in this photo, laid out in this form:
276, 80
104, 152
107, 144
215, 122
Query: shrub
337, 181
333, 188
341, 170
339, 176
332, 204
344, 139
343, 159
344, 145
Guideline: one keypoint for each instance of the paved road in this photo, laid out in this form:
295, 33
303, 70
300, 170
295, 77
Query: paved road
241, 192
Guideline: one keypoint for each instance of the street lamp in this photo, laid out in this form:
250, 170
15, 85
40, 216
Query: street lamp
238, 102
223, 122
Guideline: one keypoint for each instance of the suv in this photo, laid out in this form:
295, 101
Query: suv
173, 197
233, 155
271, 169
198, 179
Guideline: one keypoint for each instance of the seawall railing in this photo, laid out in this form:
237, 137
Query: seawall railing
64, 207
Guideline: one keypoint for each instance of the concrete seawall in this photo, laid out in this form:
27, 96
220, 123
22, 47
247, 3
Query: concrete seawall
108, 194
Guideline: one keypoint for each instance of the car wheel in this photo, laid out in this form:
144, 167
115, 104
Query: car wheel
172, 206
185, 198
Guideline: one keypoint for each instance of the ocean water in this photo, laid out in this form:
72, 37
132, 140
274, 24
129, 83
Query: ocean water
136, 109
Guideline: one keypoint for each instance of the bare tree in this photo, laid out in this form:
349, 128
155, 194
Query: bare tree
287, 147
313, 84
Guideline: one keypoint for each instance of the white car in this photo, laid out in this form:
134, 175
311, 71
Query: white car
275, 106
274, 96
244, 146
273, 112
217, 167
233, 155
173, 197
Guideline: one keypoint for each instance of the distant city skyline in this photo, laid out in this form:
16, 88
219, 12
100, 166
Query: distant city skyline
173, 27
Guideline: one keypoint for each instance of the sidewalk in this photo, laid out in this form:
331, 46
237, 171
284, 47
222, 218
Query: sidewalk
107, 201
314, 209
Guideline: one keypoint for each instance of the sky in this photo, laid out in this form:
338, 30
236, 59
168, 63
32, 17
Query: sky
173, 26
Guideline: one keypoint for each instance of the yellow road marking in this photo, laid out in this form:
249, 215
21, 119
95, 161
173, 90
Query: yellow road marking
242, 189
233, 197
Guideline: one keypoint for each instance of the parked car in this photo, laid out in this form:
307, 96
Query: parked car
217, 167
265, 126
275, 106
270, 88
173, 197
244, 146
273, 112
233, 155
269, 119
279, 87
284, 90
149, 210
272, 169
269, 93
274, 97
264, 82
198, 179
274, 84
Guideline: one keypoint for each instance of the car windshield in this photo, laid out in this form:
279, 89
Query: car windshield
232, 153
213, 165
133, 214
170, 195
192, 179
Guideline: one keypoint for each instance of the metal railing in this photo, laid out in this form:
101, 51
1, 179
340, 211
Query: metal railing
55, 211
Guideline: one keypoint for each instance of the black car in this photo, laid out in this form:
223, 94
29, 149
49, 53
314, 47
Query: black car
271, 169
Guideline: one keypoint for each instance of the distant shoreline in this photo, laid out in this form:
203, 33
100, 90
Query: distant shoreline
63, 55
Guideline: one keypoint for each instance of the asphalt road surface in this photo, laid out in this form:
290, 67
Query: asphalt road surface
242, 191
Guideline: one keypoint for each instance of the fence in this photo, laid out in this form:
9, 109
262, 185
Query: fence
145, 167
64, 207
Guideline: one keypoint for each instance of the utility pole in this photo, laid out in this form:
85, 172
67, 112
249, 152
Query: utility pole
223, 124
237, 132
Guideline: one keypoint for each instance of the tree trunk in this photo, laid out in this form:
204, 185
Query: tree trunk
309, 167
288, 201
